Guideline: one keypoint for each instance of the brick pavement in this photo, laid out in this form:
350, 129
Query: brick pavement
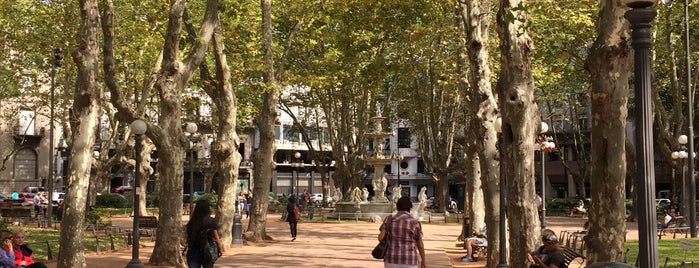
330, 244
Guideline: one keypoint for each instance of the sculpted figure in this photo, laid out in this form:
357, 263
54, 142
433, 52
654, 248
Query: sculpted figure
422, 197
365, 194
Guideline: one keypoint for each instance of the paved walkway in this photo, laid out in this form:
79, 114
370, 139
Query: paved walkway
331, 244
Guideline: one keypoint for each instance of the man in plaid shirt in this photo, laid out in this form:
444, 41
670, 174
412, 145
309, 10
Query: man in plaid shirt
404, 238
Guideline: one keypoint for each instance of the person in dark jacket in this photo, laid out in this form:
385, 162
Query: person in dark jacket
201, 222
290, 216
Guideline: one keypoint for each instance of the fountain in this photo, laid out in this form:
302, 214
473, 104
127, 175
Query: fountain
356, 204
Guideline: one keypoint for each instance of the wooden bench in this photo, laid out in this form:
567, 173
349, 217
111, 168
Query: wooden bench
148, 225
571, 254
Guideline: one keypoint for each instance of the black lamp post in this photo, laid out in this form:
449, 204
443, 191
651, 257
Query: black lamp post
191, 128
297, 164
502, 263
690, 122
138, 127
640, 16
544, 146
55, 62
682, 154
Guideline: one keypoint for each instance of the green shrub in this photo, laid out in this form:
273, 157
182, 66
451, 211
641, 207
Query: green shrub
112, 201
153, 200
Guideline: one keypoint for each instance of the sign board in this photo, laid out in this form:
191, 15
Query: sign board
686, 245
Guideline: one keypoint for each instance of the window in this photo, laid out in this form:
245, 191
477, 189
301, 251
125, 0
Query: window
25, 165
403, 138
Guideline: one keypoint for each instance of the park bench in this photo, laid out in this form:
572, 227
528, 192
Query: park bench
676, 225
571, 254
148, 226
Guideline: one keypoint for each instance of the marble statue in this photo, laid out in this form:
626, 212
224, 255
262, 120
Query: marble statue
380, 185
422, 196
365, 194
337, 197
396, 193
356, 195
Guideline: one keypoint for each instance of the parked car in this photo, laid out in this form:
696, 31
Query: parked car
318, 198
122, 189
34, 189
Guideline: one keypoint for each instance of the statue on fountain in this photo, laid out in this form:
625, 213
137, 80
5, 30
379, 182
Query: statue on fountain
422, 198
356, 195
380, 185
365, 194
396, 194
337, 195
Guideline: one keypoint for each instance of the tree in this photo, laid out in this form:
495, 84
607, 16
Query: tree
263, 157
169, 82
480, 132
520, 123
609, 66
85, 117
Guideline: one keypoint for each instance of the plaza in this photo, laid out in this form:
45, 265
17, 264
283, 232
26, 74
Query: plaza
330, 244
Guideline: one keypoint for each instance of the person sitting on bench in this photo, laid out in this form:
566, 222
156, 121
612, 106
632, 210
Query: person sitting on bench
578, 208
479, 239
666, 221
554, 257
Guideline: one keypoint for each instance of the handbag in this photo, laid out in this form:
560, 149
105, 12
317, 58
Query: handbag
210, 249
379, 251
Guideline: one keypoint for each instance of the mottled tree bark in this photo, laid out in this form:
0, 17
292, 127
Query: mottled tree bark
608, 64
483, 138
85, 117
263, 156
520, 125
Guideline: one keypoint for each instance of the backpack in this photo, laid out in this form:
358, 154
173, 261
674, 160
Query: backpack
297, 213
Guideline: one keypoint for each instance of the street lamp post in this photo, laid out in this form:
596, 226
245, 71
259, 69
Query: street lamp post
55, 62
545, 145
502, 263
297, 164
640, 16
690, 121
138, 127
191, 128
682, 154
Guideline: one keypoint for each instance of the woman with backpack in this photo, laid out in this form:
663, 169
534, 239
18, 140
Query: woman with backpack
293, 214
205, 246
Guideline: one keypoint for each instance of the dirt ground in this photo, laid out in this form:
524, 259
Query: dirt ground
331, 244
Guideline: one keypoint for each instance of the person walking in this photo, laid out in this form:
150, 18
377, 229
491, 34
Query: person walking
200, 223
292, 210
405, 247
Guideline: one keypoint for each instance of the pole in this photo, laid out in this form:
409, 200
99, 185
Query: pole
503, 218
49, 208
191, 181
640, 16
135, 262
690, 127
543, 189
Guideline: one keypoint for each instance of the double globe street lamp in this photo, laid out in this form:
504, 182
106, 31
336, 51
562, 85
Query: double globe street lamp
138, 127
191, 128
545, 145
682, 154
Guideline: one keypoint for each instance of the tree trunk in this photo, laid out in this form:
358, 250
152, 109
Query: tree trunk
263, 157
86, 109
226, 157
483, 138
608, 64
520, 124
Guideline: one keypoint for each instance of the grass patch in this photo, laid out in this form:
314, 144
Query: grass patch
670, 254
40, 239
